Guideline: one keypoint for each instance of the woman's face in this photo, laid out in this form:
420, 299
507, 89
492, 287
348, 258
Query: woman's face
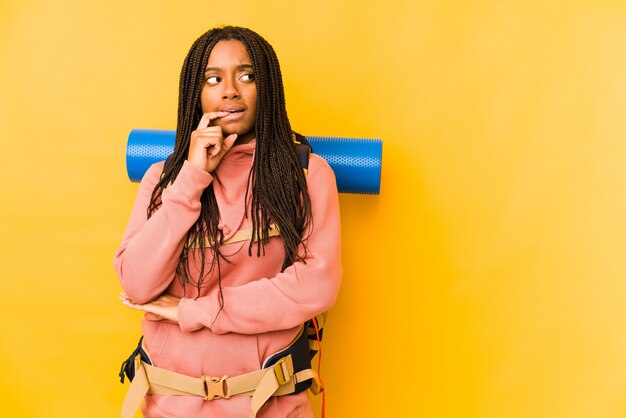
229, 86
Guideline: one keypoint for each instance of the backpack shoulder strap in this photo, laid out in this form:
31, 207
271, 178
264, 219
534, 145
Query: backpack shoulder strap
303, 149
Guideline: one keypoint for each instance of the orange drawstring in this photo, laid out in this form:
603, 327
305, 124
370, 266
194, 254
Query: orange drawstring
319, 365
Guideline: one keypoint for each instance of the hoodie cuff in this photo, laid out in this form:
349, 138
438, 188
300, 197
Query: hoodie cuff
190, 182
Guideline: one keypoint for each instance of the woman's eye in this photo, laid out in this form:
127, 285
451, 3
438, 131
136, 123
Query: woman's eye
247, 77
213, 79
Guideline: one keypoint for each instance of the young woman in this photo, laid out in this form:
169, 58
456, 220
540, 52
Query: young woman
230, 246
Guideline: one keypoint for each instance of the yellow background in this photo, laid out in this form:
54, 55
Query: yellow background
486, 280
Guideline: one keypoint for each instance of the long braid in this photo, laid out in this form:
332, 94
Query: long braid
277, 183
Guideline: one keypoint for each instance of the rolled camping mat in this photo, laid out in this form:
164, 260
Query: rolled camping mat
355, 161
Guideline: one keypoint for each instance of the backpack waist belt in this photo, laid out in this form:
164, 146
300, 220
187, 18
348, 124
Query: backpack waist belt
286, 372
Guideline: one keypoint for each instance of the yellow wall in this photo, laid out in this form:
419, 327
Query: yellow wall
487, 279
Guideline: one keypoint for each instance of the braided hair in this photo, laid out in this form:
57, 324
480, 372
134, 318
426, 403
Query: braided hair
276, 180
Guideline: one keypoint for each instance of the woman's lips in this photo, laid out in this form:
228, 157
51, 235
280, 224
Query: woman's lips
233, 114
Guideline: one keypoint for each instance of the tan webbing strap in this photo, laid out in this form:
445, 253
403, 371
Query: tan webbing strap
246, 234
316, 386
277, 375
243, 235
167, 382
321, 319
314, 345
137, 390
276, 380
247, 384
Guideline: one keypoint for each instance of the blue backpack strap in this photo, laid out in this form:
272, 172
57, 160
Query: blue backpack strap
303, 150
128, 366
299, 350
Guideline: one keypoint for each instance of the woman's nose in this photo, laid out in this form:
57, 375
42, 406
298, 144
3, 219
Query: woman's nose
230, 90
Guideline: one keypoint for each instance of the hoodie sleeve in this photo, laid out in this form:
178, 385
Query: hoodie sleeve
146, 260
300, 292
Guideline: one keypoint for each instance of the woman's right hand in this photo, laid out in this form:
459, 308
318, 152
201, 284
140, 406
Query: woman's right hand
208, 145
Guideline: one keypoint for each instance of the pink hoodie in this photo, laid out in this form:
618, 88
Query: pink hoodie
263, 308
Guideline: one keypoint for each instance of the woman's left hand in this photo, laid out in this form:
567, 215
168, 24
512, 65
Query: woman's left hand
165, 307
